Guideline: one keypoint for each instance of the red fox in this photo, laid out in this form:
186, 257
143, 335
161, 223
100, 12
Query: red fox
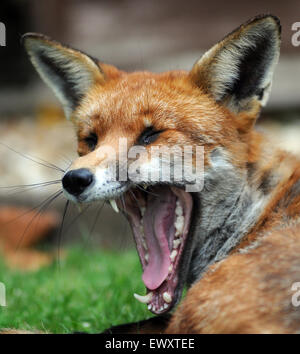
235, 242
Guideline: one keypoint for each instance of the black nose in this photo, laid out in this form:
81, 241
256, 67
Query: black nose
76, 181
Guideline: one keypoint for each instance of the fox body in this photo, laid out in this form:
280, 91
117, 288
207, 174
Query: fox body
236, 242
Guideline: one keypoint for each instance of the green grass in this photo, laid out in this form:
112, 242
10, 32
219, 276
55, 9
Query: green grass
89, 291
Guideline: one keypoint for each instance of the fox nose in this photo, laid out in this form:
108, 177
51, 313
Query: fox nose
76, 181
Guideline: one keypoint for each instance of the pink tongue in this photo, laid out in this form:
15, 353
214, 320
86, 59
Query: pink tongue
158, 218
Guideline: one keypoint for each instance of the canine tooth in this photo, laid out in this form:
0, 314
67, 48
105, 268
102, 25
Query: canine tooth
165, 306
167, 297
176, 243
173, 255
146, 257
144, 299
114, 205
149, 307
170, 269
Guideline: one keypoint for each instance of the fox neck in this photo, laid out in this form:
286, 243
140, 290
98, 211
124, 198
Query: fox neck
232, 203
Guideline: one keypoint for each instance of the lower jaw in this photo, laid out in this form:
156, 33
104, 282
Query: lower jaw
161, 300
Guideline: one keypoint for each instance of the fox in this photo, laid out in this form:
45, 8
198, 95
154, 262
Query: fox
235, 243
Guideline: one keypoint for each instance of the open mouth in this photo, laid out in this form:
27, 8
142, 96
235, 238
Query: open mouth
160, 219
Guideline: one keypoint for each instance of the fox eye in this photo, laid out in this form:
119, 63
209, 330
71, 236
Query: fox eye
91, 141
148, 136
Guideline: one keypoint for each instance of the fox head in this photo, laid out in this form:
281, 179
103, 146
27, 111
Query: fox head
215, 106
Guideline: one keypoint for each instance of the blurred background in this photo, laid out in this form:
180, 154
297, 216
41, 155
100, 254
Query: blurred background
131, 34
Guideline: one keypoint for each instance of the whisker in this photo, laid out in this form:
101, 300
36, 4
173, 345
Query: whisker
146, 191
32, 209
94, 224
65, 158
41, 161
20, 191
32, 185
44, 204
76, 217
125, 223
60, 232
135, 198
44, 207
123, 203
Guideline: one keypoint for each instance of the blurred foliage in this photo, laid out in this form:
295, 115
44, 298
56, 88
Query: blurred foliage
89, 291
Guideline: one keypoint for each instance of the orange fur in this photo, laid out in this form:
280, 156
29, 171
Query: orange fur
246, 293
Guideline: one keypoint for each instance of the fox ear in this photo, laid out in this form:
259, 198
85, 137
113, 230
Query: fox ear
238, 71
69, 72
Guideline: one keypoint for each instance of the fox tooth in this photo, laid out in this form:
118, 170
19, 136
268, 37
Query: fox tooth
173, 255
176, 243
167, 297
178, 209
114, 205
179, 223
144, 299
